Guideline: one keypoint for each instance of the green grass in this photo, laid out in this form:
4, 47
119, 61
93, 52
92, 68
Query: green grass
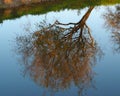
45, 7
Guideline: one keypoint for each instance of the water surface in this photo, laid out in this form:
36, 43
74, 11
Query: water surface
99, 78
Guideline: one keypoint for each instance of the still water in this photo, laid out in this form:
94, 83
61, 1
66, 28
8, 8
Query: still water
39, 69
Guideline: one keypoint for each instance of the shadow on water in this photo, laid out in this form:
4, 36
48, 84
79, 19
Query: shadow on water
112, 22
59, 55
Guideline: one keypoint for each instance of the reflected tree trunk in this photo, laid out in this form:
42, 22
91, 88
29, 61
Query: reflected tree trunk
79, 25
54, 57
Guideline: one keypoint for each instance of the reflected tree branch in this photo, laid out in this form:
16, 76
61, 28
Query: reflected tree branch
60, 54
112, 18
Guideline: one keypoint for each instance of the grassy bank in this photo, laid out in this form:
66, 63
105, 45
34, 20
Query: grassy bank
44, 7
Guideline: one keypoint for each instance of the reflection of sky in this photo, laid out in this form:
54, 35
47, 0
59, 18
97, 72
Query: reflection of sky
11, 80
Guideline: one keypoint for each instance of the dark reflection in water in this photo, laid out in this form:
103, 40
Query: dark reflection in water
112, 17
59, 56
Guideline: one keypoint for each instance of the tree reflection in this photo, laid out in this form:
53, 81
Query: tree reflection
112, 17
59, 55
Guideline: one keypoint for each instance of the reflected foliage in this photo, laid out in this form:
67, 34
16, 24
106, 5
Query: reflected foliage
112, 18
59, 55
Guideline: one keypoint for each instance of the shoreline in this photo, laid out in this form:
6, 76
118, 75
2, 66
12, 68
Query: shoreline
30, 3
